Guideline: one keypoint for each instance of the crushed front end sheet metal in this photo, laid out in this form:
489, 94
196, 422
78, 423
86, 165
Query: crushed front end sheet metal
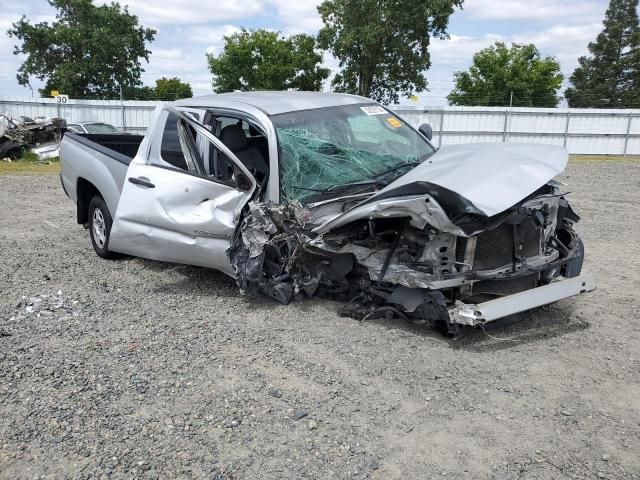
395, 260
263, 254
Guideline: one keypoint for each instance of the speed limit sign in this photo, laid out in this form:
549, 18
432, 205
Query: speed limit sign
62, 99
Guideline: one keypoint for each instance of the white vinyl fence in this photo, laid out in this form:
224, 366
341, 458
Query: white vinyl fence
581, 131
130, 115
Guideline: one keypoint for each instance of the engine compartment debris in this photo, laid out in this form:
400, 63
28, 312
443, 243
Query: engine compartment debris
390, 265
264, 253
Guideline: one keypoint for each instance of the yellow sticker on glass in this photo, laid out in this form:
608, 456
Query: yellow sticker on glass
394, 122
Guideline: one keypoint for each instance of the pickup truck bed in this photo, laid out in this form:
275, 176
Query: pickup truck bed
96, 162
119, 147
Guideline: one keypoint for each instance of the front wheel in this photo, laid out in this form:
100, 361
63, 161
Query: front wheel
100, 226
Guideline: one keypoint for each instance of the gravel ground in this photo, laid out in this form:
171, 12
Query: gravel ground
137, 369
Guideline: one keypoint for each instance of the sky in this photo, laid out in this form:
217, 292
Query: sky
189, 29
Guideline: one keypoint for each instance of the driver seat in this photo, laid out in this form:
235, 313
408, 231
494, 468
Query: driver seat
235, 140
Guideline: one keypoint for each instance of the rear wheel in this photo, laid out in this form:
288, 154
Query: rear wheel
100, 226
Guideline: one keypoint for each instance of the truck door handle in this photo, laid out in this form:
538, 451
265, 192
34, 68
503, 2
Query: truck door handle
139, 181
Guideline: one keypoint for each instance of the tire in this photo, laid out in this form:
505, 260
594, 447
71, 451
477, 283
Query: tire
15, 153
100, 222
11, 150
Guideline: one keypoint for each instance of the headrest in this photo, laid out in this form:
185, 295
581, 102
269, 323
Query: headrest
234, 138
253, 131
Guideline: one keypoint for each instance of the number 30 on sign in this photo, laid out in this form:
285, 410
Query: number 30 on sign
62, 98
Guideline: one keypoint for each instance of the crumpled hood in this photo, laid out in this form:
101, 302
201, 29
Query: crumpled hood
471, 180
492, 176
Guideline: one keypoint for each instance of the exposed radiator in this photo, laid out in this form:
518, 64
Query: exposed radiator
495, 248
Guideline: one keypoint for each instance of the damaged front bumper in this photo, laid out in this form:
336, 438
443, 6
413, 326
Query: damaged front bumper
387, 262
472, 315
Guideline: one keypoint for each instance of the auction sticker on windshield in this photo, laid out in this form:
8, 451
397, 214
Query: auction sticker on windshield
373, 110
394, 122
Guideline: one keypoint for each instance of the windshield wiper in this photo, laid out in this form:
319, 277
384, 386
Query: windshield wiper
397, 167
337, 187
351, 184
373, 181
319, 190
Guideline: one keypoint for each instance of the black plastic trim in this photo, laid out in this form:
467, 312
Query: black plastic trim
138, 181
62, 183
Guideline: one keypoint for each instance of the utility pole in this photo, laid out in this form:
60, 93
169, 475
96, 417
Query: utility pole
507, 114
566, 129
124, 122
626, 137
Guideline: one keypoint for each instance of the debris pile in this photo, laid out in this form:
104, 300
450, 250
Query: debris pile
47, 305
42, 134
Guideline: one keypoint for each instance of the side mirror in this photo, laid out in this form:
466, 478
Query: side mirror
243, 182
426, 130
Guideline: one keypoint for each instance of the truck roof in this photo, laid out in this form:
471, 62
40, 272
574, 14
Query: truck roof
274, 103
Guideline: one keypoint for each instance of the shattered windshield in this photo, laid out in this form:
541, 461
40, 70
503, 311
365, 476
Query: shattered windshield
324, 149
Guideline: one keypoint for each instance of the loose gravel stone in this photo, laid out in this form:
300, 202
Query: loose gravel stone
299, 414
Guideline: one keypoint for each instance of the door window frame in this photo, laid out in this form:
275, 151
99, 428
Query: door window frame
154, 156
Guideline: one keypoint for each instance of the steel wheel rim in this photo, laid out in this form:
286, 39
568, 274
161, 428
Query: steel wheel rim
99, 228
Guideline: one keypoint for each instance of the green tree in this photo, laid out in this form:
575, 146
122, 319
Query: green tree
498, 70
166, 89
610, 76
139, 93
89, 51
172, 89
383, 45
264, 60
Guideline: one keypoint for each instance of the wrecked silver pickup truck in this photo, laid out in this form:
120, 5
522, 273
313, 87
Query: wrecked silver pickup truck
300, 194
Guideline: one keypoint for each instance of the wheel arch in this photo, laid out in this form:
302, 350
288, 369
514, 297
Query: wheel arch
85, 191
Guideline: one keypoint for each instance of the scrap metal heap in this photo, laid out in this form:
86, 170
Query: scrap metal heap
28, 133
398, 266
